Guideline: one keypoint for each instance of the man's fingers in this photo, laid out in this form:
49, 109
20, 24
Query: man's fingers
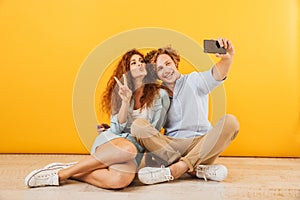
230, 46
220, 41
224, 43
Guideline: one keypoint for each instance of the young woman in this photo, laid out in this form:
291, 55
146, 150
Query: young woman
131, 93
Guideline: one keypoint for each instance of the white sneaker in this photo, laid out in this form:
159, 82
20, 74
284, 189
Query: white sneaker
212, 172
152, 175
42, 177
59, 165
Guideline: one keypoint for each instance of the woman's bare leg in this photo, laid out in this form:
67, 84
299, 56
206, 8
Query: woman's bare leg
116, 176
116, 151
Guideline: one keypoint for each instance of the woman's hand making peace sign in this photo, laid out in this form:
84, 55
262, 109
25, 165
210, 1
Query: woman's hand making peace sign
124, 92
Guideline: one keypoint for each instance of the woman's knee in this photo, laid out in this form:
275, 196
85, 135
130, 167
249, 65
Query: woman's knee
121, 180
119, 147
127, 149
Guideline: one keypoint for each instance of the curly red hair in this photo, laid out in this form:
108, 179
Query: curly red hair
111, 102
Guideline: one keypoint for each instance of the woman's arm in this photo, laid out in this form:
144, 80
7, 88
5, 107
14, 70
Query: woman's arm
125, 93
118, 121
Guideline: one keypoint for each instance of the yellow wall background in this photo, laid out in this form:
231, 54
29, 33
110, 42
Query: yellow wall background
44, 43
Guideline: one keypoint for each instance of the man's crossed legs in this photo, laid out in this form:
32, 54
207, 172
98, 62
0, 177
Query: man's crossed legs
194, 155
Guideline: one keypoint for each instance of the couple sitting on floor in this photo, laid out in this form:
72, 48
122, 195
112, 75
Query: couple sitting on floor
139, 108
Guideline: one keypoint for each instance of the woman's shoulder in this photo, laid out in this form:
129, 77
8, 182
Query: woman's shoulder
163, 93
164, 97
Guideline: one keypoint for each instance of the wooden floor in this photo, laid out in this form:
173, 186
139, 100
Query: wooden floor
249, 178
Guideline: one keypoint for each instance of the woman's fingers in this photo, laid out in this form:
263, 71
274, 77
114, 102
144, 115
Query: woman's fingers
125, 80
124, 92
118, 82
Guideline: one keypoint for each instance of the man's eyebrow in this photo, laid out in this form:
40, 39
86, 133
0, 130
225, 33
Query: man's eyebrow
158, 67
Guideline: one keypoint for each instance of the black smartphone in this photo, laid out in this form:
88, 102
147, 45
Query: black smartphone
213, 46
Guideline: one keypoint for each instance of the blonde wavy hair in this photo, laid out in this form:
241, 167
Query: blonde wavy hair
151, 59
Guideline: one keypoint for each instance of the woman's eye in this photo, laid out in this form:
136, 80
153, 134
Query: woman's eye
133, 63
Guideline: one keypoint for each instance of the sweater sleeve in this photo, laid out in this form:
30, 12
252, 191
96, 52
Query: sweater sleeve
115, 126
204, 81
160, 108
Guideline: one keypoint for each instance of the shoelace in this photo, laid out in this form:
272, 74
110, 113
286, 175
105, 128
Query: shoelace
204, 171
47, 175
45, 179
168, 177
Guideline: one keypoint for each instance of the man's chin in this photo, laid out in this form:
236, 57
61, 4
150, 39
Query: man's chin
169, 81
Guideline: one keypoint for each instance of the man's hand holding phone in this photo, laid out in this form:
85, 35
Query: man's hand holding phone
221, 47
224, 50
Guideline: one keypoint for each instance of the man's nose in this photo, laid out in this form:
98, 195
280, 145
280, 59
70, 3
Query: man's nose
166, 70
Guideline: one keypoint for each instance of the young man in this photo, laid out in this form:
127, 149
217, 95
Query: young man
190, 143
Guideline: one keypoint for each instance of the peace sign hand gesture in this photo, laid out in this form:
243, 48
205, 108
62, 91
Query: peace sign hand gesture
124, 92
